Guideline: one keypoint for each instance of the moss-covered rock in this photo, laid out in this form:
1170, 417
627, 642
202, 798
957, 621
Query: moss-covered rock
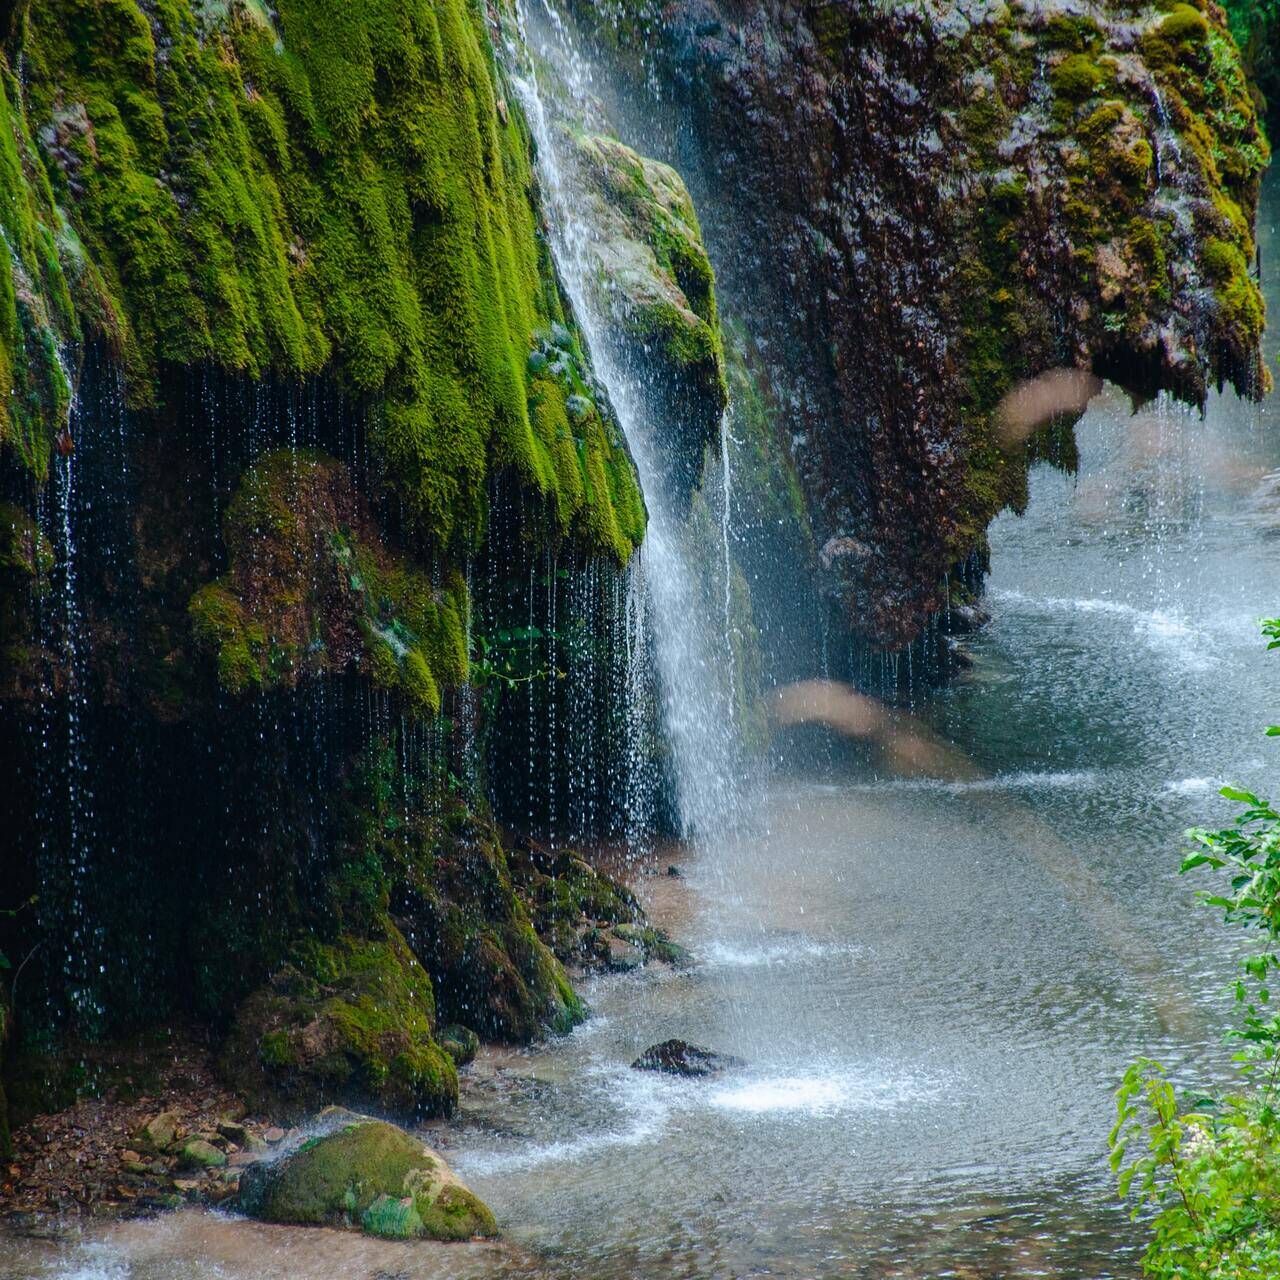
459, 1042
313, 589
367, 1175
651, 269
26, 559
347, 1021
588, 919
453, 896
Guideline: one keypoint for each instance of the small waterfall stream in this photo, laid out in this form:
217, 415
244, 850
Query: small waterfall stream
687, 644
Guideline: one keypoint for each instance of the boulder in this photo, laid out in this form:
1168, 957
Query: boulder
199, 1154
679, 1058
157, 1133
368, 1175
459, 1042
349, 1020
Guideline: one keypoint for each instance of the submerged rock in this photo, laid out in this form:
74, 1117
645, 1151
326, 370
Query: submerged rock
365, 1174
680, 1058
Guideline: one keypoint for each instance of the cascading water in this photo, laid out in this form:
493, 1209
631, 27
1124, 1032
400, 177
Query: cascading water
695, 680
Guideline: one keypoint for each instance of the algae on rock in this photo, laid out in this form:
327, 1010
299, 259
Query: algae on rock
350, 1020
368, 1175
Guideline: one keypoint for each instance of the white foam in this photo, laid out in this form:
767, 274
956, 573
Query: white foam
96, 1261
1191, 645
825, 1094
1023, 780
784, 951
1191, 786
646, 1100
567, 1151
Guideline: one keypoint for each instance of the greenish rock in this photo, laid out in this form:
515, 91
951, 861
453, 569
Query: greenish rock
350, 1020
653, 275
368, 1175
234, 1131
458, 903
313, 588
199, 1154
460, 1043
158, 1133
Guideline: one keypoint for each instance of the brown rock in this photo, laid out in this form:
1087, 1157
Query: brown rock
159, 1132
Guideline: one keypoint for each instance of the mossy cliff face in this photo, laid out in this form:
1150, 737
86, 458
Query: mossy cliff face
918, 205
282, 353
322, 189
312, 590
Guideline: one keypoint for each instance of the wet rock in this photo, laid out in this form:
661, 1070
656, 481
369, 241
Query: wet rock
657, 281
199, 1154
365, 1174
679, 1058
233, 1131
461, 913
623, 955
273, 1135
159, 1132
928, 204
345, 1021
459, 1042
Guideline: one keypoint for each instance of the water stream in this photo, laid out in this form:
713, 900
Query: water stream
696, 702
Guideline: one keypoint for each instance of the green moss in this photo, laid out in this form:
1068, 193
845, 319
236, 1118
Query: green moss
347, 1020
344, 186
312, 588
368, 1174
24, 550
471, 929
1180, 36
1077, 78
1075, 32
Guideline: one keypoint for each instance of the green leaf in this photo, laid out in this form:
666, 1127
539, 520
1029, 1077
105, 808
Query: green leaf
1244, 797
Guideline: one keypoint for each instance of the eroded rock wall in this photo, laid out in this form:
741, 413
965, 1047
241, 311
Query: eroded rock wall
916, 205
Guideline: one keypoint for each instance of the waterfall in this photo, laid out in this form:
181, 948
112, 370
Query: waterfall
687, 642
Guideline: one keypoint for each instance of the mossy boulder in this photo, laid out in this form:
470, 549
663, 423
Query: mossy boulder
365, 1174
348, 1020
651, 270
459, 1042
458, 906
